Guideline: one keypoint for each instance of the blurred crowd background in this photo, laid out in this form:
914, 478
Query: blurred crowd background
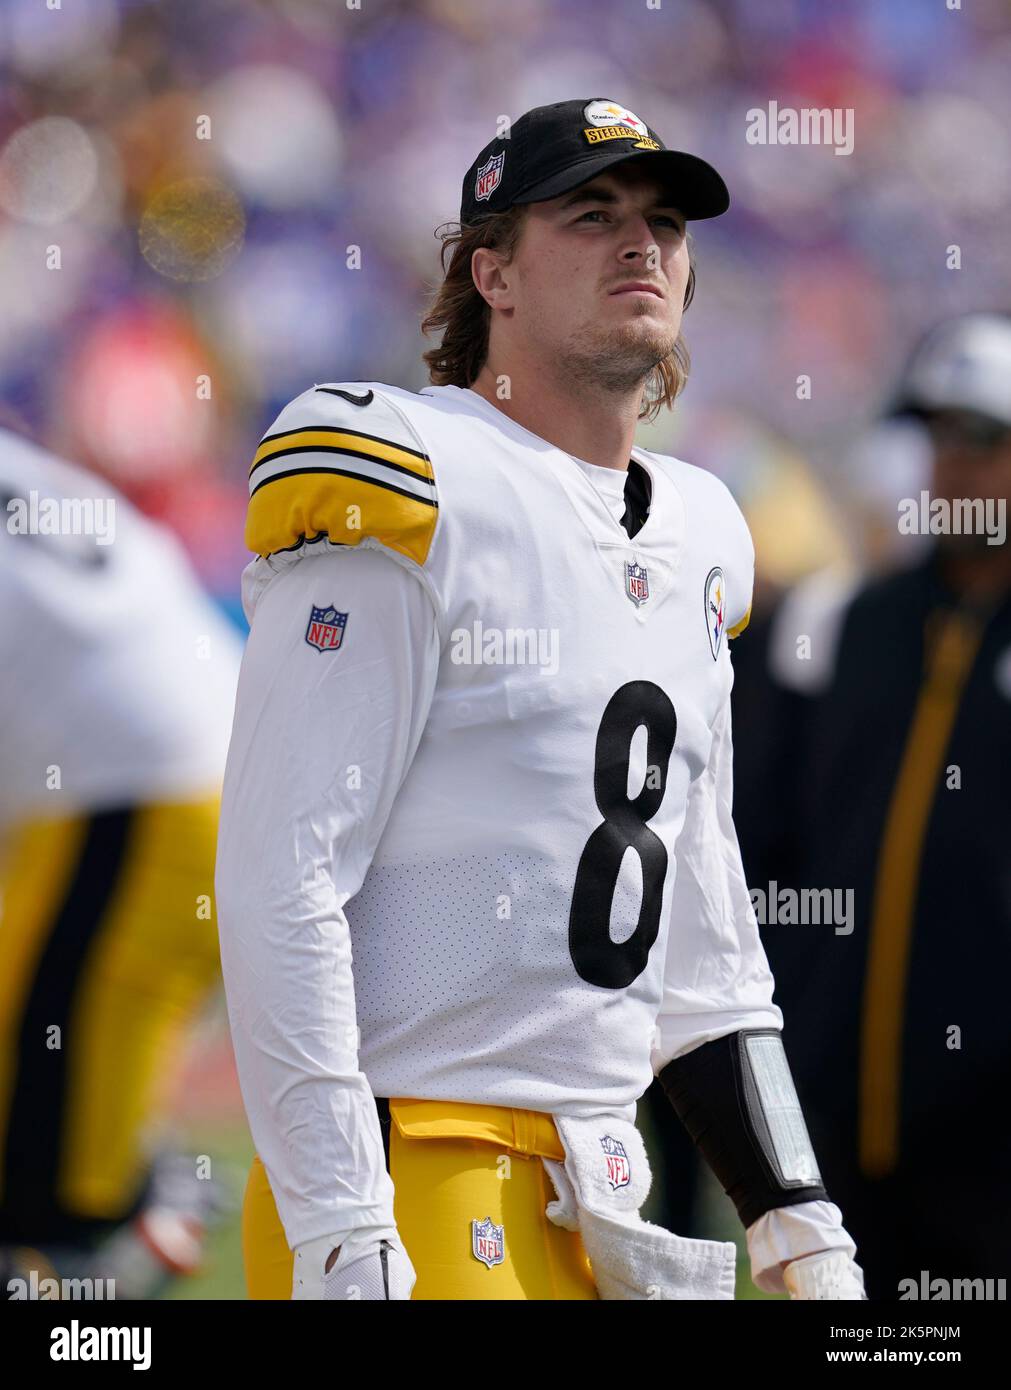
203, 167
208, 205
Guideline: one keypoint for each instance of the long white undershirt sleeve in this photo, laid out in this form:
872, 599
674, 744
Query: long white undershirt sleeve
320, 745
717, 981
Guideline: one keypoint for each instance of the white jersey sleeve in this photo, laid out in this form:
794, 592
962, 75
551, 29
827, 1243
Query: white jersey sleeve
716, 976
322, 739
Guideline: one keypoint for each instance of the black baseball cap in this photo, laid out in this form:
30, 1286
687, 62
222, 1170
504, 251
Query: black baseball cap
552, 149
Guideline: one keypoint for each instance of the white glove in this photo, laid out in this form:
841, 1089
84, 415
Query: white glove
370, 1265
830, 1274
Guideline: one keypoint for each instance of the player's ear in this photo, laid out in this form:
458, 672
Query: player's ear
493, 277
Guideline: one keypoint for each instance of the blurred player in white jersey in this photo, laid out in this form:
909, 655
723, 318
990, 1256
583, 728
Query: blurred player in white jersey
482, 747
114, 716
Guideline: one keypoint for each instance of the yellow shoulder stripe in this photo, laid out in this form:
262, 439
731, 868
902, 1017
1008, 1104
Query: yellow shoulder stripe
738, 628
344, 484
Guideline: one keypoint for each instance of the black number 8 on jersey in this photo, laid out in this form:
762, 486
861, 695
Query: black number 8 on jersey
599, 959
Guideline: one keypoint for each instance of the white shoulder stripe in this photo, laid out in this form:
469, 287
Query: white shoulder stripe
345, 462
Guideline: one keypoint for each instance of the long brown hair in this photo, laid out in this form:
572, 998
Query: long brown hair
465, 316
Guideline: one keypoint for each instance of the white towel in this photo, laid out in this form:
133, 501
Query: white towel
602, 1184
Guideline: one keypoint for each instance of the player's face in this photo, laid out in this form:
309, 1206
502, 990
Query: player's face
599, 276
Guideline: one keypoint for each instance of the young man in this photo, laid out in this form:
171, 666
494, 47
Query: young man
482, 740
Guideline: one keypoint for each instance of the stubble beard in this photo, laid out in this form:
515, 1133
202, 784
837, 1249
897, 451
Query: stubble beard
615, 360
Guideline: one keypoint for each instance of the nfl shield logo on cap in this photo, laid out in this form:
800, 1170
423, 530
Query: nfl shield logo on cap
488, 177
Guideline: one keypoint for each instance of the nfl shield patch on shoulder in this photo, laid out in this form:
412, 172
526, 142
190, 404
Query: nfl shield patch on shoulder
716, 608
487, 1242
326, 628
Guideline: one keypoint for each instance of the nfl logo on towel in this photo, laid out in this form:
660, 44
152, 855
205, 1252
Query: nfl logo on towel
326, 629
619, 1173
487, 1241
636, 582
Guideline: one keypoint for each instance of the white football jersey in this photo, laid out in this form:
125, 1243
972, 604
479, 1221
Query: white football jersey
121, 672
482, 747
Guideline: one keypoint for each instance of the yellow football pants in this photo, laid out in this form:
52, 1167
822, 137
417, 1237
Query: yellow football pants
108, 945
451, 1164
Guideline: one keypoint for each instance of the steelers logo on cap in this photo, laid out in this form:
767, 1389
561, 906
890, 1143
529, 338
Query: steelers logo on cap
602, 112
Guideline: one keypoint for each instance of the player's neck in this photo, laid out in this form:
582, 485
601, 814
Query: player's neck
595, 426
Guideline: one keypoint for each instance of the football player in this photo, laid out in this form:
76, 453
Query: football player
482, 747
114, 719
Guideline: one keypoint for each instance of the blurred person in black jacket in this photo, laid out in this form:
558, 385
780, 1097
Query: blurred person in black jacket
883, 777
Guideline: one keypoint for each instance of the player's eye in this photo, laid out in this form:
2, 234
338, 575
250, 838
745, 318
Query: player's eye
674, 223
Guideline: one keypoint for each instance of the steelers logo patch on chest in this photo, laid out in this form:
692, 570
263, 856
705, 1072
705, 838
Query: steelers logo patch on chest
716, 608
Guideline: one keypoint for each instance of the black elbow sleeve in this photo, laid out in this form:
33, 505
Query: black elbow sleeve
736, 1098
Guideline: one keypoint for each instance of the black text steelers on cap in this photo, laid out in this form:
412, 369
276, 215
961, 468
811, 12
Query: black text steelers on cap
554, 148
